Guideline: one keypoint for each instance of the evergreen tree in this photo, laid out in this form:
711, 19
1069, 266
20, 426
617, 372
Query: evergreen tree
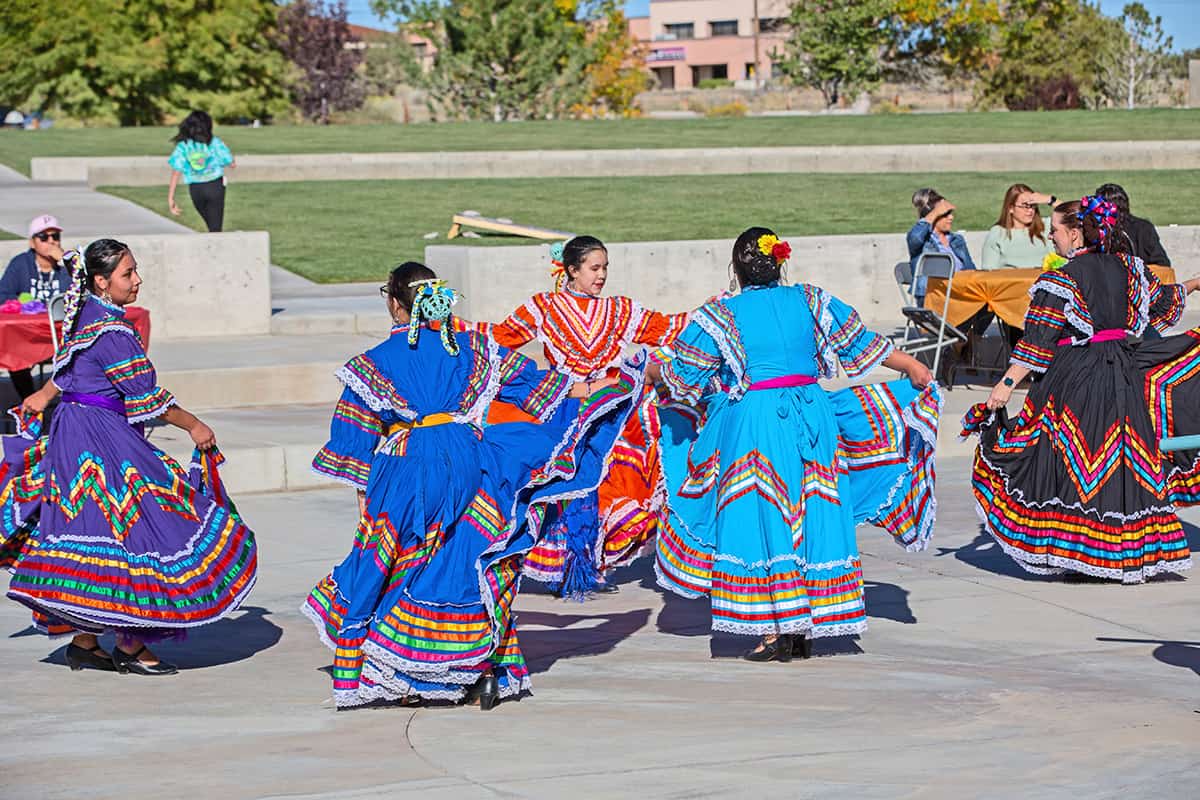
142, 62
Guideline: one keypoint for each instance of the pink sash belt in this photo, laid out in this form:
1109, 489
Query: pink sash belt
783, 382
1106, 335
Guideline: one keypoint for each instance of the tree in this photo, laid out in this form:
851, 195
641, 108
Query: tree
142, 62
504, 59
1140, 62
1047, 55
616, 76
314, 35
954, 37
837, 46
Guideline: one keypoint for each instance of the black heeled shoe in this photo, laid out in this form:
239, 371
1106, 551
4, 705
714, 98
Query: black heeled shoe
487, 691
778, 650
128, 662
607, 588
801, 645
80, 657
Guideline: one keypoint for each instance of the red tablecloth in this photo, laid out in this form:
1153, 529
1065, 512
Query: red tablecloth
25, 338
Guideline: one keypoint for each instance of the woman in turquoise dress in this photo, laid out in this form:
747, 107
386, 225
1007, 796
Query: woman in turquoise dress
765, 497
421, 608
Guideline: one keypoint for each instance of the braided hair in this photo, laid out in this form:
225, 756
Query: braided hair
98, 259
426, 298
1099, 220
570, 254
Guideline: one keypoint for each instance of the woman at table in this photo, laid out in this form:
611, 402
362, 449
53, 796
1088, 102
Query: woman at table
933, 233
422, 605
764, 499
584, 335
1075, 482
104, 531
1018, 239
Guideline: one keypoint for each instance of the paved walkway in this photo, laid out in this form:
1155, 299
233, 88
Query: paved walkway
82, 211
975, 680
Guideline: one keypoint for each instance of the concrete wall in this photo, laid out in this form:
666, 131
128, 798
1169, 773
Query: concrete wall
1011, 158
212, 284
676, 276
1194, 84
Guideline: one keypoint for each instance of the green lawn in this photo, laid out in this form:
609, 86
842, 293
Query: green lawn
17, 147
335, 231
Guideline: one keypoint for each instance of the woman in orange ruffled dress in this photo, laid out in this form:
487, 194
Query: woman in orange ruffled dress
585, 335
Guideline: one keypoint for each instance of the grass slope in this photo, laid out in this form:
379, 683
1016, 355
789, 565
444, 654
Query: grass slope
336, 231
17, 147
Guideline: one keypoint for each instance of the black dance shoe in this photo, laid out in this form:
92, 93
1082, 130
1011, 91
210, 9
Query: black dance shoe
80, 657
778, 650
128, 662
801, 645
487, 691
607, 588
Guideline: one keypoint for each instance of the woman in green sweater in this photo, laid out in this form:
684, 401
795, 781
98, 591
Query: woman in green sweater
1018, 239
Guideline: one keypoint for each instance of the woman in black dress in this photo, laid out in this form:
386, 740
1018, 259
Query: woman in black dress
1076, 481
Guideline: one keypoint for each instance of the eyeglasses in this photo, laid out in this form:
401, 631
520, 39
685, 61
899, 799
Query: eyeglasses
383, 290
1028, 206
45, 237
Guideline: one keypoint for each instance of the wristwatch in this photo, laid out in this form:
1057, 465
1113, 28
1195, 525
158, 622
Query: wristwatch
1007, 381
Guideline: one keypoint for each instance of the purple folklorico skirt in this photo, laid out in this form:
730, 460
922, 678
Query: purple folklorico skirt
105, 532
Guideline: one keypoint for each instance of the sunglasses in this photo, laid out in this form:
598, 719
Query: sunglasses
945, 215
46, 237
1028, 206
383, 291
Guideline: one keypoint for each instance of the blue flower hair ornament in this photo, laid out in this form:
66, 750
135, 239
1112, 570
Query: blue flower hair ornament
559, 273
433, 301
1102, 212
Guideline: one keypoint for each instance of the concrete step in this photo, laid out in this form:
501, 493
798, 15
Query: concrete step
315, 316
267, 449
234, 372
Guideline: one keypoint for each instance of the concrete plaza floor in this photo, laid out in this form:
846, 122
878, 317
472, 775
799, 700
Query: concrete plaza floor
975, 680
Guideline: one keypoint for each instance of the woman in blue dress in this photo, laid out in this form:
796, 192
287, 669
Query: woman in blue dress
421, 608
765, 497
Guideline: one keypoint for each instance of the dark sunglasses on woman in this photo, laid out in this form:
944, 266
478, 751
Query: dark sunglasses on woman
45, 237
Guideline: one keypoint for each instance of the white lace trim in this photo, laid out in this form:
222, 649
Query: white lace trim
69, 615
790, 627
156, 412
64, 357
1072, 312
337, 478
475, 414
1050, 564
827, 366
374, 402
734, 361
1143, 297
189, 547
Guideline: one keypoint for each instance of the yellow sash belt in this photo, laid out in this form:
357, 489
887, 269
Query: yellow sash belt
429, 421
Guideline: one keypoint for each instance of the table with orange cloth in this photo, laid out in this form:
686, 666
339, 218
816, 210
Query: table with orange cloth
1003, 291
25, 338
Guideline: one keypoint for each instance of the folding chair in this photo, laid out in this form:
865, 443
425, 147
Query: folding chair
56, 312
925, 329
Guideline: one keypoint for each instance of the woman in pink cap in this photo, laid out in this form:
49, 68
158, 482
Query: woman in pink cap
38, 272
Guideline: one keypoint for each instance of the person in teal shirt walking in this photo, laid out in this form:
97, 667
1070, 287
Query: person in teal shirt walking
201, 160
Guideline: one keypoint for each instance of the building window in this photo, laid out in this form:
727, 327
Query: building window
665, 77
709, 72
751, 70
771, 24
680, 30
724, 27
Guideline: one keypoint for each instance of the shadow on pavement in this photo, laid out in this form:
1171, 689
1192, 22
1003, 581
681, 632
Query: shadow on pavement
888, 601
573, 635
985, 554
1173, 653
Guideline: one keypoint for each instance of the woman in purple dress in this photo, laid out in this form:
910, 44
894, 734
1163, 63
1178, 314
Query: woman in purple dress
104, 531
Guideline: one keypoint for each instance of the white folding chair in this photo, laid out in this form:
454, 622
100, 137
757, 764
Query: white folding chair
925, 328
56, 312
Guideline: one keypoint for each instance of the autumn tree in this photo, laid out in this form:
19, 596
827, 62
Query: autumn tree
616, 75
314, 35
